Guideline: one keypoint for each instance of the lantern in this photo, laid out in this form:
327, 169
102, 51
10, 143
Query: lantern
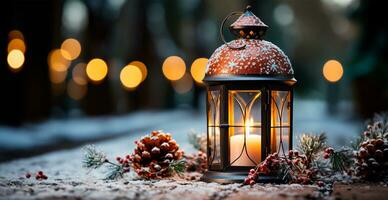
249, 102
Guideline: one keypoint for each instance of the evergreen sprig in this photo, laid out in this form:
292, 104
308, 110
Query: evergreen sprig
178, 166
311, 145
114, 171
93, 158
198, 140
342, 159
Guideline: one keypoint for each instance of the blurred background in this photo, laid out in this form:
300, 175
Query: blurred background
80, 71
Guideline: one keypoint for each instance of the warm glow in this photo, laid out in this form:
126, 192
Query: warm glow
198, 69
174, 68
70, 49
15, 59
130, 76
16, 44
57, 76
79, 74
57, 62
142, 68
76, 91
15, 34
183, 85
97, 69
248, 126
333, 71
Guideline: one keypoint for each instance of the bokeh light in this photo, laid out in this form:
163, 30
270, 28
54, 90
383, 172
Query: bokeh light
79, 74
183, 85
97, 69
15, 34
130, 76
57, 62
198, 69
174, 68
142, 68
57, 76
70, 49
76, 91
333, 71
16, 44
15, 59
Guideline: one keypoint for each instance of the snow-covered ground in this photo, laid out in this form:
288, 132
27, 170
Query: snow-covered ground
67, 178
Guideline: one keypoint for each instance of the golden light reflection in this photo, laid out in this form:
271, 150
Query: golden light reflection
15, 59
70, 49
198, 69
76, 91
16, 44
174, 68
183, 85
96, 69
130, 76
333, 71
79, 74
142, 68
57, 62
57, 76
15, 34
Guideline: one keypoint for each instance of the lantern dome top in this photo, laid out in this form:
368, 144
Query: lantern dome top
249, 57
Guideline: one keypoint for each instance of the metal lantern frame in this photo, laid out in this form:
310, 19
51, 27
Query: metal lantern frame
224, 172
230, 84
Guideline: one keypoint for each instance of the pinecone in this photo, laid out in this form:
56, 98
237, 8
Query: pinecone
154, 155
372, 158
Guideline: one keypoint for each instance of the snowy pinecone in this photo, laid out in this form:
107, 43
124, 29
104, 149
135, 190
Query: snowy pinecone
372, 159
153, 155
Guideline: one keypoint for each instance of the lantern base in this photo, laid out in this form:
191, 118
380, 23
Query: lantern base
236, 177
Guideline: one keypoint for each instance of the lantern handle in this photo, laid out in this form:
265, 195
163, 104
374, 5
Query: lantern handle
222, 30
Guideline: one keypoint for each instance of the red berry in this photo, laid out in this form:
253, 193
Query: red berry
44, 177
118, 159
28, 175
40, 173
252, 171
320, 183
366, 133
326, 156
296, 153
252, 182
290, 153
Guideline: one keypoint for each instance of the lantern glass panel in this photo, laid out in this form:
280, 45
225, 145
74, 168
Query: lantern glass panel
244, 111
214, 101
280, 121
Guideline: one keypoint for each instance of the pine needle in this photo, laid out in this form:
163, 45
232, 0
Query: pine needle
178, 166
93, 158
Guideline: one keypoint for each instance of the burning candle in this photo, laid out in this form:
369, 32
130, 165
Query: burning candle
253, 148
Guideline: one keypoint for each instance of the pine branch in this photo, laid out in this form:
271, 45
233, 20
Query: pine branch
198, 140
114, 171
93, 158
178, 166
341, 160
311, 145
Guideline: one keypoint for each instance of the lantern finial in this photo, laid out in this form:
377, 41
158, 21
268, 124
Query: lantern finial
248, 26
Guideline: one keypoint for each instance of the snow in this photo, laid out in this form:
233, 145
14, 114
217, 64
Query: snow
67, 178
